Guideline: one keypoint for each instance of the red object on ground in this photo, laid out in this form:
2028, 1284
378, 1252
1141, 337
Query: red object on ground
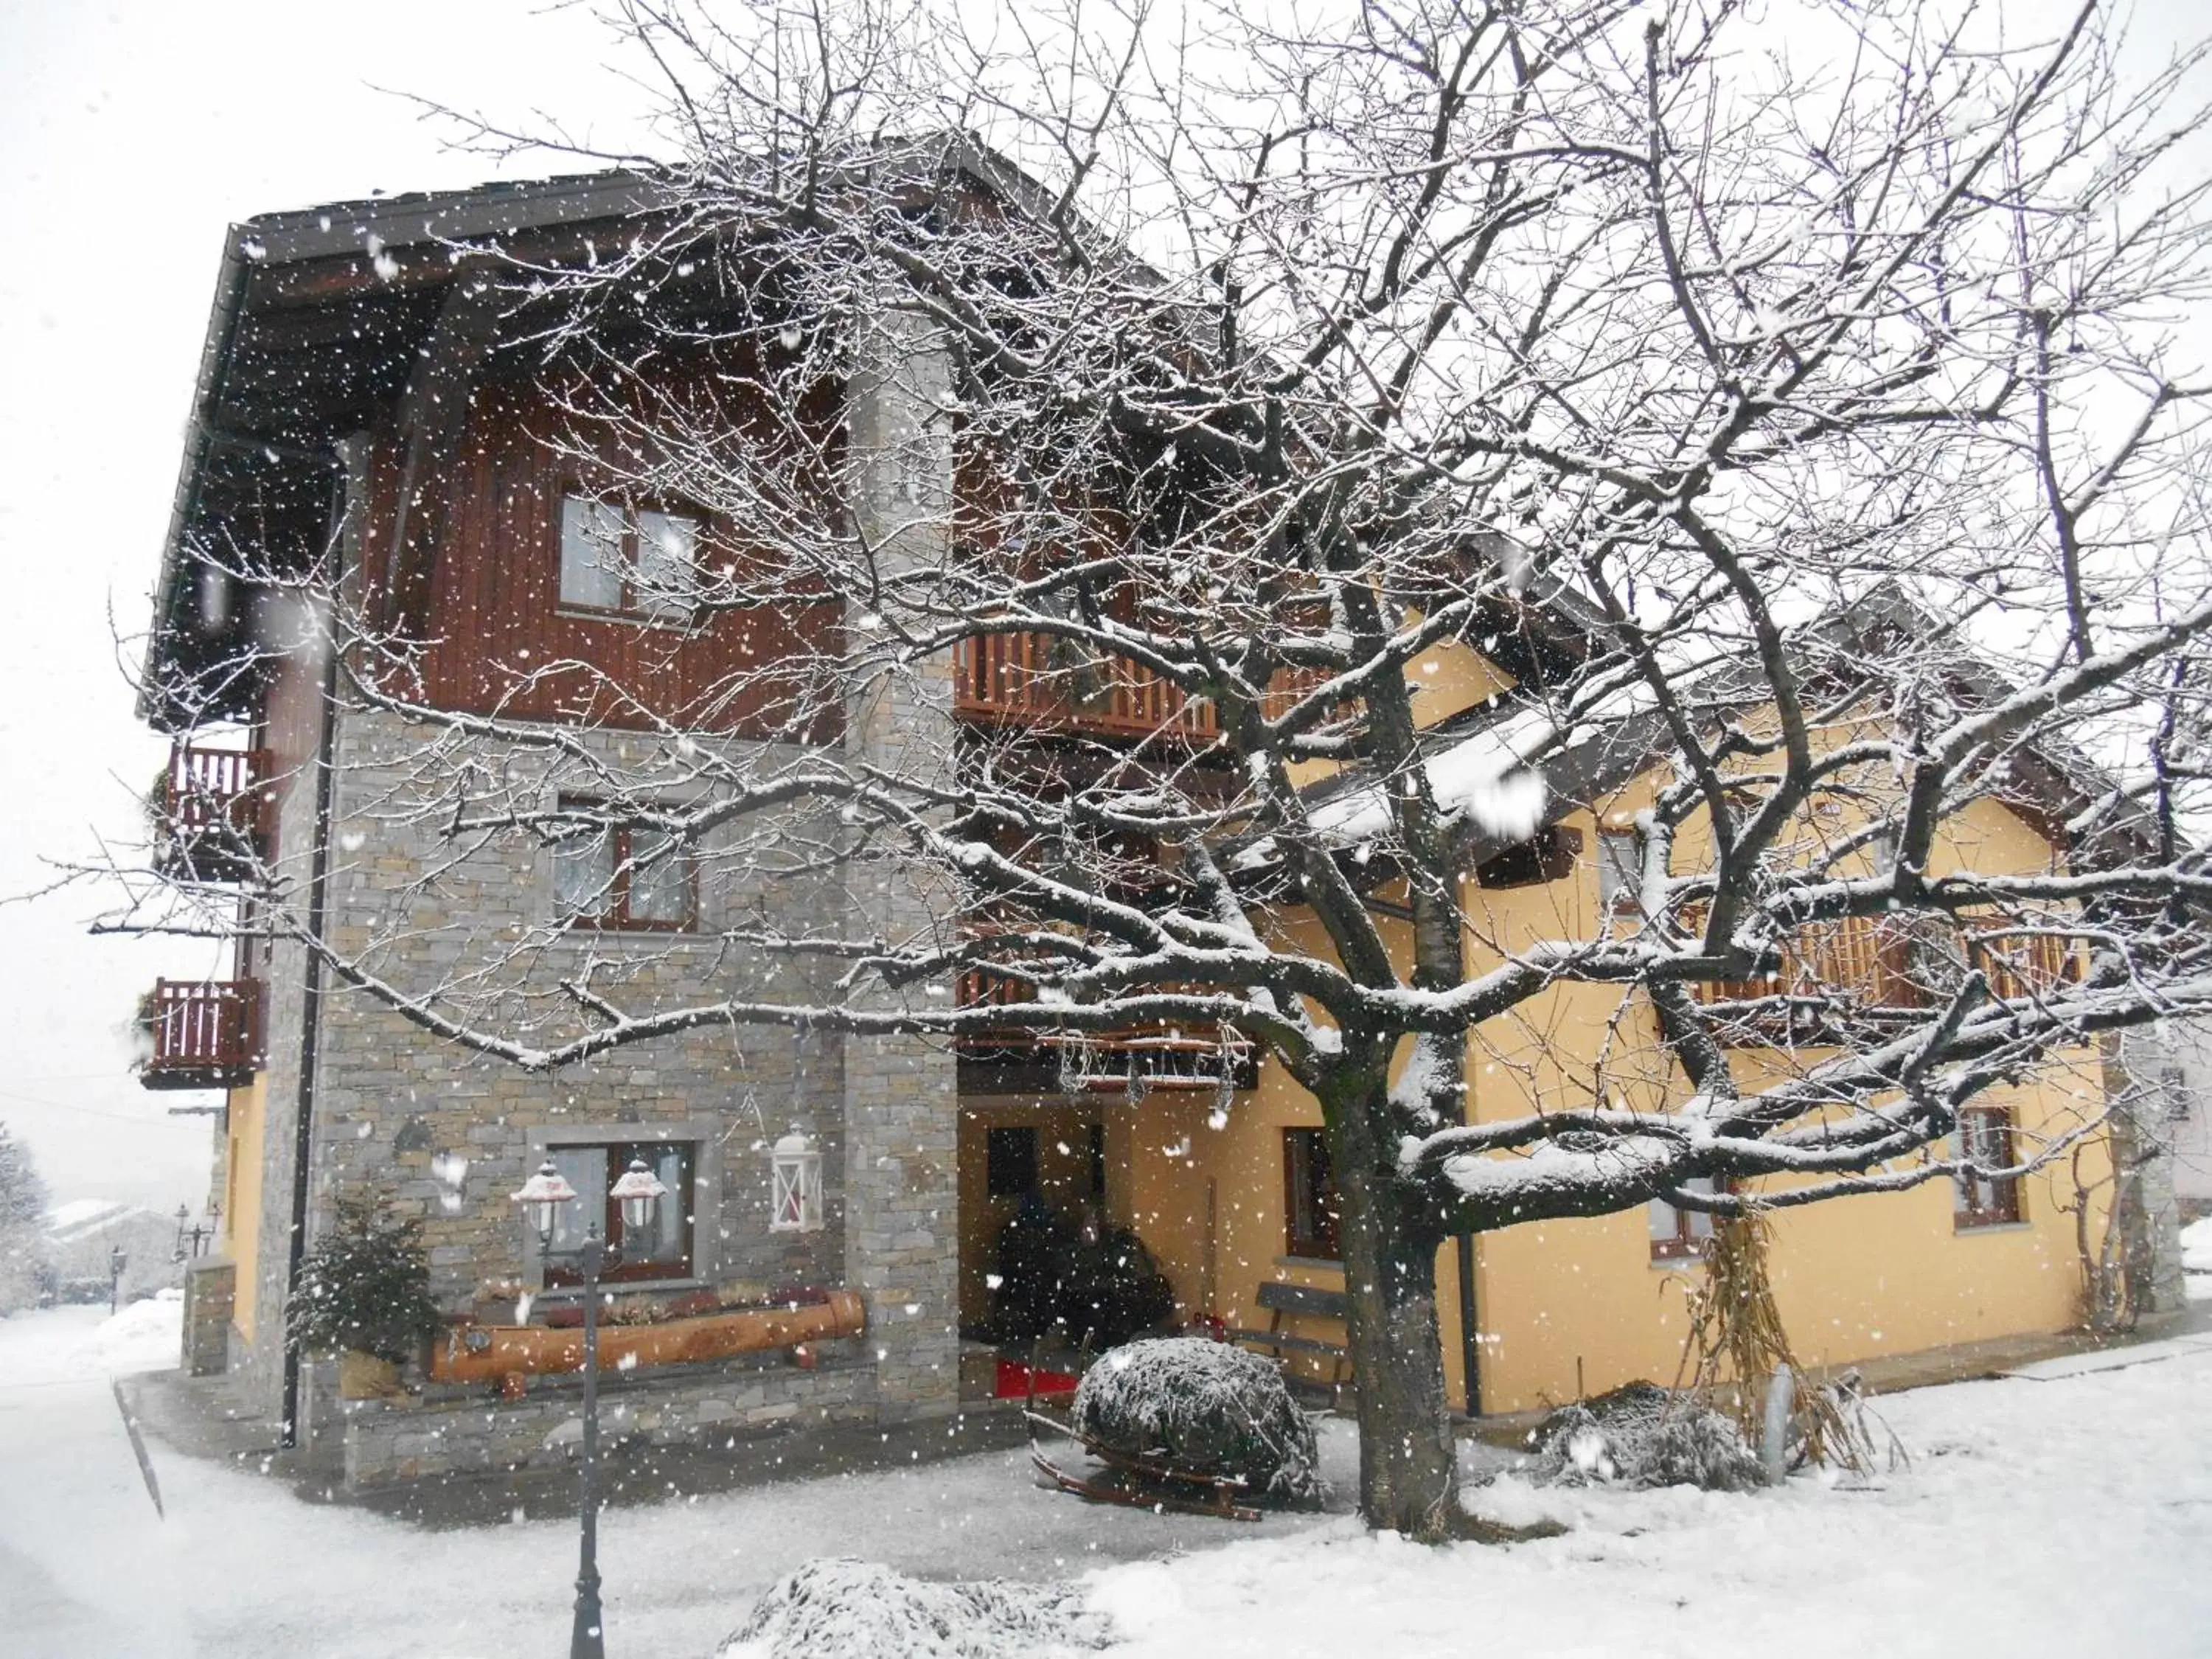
1015, 1380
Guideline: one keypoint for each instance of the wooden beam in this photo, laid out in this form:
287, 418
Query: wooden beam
433, 414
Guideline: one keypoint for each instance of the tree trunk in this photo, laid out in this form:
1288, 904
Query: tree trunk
1408, 1480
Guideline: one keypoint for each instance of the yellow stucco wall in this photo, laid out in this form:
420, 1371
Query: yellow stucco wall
1579, 1304
246, 1114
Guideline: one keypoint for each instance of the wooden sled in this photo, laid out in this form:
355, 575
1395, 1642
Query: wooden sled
1140, 1483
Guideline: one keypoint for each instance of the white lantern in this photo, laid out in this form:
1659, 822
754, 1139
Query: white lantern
542, 1197
795, 1184
637, 1192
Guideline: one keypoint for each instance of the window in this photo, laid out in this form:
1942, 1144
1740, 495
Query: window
1620, 870
663, 1250
1985, 1141
1547, 856
1010, 1157
625, 876
1310, 1204
638, 562
1678, 1234
2174, 1089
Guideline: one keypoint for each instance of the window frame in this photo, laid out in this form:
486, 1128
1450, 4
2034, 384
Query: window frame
1692, 1229
2177, 1100
621, 867
634, 605
1623, 875
1313, 1215
1547, 856
552, 1276
1978, 1201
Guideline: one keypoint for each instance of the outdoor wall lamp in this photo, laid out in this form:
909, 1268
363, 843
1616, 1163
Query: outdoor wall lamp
639, 1192
541, 1198
795, 1184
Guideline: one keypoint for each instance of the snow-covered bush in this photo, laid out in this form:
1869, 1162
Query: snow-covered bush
859, 1610
1642, 1435
365, 1286
1206, 1407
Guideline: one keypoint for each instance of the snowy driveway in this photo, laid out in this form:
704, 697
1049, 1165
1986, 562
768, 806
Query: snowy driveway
2071, 1517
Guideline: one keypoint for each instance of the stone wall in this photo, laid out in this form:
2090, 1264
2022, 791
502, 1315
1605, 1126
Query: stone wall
473, 918
901, 1092
395, 1104
456, 1430
209, 1287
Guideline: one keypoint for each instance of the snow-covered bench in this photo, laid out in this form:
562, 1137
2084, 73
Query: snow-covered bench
1280, 1298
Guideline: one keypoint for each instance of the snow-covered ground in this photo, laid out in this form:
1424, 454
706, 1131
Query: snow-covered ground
72, 1345
2065, 1516
2197, 1258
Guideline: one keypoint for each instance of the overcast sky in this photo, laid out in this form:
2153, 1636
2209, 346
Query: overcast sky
131, 135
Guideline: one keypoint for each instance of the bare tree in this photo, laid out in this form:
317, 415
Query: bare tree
1788, 414
24, 1269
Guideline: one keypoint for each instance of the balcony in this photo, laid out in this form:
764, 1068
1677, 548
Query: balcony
1135, 1057
202, 1033
2028, 964
1835, 976
215, 811
1013, 679
1017, 680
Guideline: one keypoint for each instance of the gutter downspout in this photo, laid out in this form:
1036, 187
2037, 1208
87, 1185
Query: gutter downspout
1470, 1335
350, 470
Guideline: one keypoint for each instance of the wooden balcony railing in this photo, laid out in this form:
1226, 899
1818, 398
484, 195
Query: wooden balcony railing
1013, 679
1862, 967
217, 812
1156, 1054
2027, 964
1857, 957
1831, 971
205, 1034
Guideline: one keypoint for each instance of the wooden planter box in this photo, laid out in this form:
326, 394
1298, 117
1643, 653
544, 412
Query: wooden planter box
494, 1353
364, 1377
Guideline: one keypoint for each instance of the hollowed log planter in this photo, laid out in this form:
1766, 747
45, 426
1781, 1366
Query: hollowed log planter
493, 1353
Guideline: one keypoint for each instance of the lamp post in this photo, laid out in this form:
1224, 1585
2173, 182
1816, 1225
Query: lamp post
191, 1237
638, 1192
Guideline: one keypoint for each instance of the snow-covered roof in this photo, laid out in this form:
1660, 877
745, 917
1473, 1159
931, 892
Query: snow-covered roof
83, 1216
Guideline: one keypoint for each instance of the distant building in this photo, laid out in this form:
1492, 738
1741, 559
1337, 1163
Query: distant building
82, 1233
2171, 1071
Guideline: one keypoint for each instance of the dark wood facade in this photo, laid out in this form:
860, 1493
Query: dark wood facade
475, 585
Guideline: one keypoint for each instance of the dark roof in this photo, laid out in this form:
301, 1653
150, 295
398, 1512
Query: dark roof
2049, 780
319, 315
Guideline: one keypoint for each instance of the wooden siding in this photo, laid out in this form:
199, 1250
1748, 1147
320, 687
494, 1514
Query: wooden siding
480, 586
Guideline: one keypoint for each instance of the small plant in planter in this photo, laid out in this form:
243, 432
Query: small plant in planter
364, 1295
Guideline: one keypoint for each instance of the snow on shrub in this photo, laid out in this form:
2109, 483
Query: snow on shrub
1642, 1435
1206, 1407
2196, 1246
860, 1610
